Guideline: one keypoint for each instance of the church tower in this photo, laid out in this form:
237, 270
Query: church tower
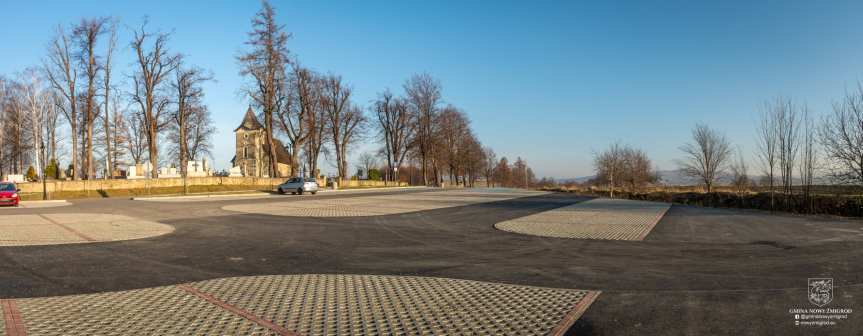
251, 150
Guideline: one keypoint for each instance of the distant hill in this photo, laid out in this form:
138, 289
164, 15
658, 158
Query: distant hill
577, 180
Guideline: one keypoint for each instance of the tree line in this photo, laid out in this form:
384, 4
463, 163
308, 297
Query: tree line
75, 107
795, 150
422, 139
108, 122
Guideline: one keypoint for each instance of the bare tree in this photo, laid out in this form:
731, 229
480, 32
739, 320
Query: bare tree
739, 172
41, 112
345, 120
808, 158
396, 128
423, 96
474, 160
107, 116
86, 35
54, 101
16, 130
136, 133
490, 161
706, 157
201, 133
119, 133
367, 161
841, 134
637, 169
608, 165
188, 94
519, 171
318, 135
63, 75
768, 147
35, 103
503, 173
788, 144
297, 115
154, 64
4, 101
453, 136
266, 64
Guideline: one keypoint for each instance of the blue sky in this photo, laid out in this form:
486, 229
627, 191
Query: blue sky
552, 82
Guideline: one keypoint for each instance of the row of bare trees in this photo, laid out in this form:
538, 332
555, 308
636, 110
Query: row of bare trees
796, 148
107, 124
315, 112
318, 116
623, 166
795, 151
156, 112
438, 138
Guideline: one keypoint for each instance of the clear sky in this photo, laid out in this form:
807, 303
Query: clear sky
552, 82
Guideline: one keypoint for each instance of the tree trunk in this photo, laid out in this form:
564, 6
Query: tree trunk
183, 154
154, 150
75, 164
108, 149
295, 159
91, 168
274, 163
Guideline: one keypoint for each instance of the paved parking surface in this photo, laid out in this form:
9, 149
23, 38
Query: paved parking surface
698, 271
72, 228
595, 219
374, 205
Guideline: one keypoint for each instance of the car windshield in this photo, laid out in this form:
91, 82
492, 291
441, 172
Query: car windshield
310, 180
293, 180
7, 186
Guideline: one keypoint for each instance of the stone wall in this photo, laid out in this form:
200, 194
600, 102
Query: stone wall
95, 185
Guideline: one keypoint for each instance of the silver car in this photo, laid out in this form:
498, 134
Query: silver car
299, 185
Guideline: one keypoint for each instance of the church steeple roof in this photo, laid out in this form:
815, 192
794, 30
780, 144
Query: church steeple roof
250, 122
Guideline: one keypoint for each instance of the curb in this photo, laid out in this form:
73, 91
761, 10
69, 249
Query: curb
44, 201
198, 196
374, 189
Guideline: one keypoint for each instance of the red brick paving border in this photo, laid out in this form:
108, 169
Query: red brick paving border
12, 318
247, 315
574, 314
650, 227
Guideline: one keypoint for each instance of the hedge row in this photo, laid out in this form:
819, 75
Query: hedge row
848, 206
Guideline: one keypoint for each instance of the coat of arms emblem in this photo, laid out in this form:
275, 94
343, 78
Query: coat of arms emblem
820, 291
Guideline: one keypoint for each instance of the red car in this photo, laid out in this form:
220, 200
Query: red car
9, 194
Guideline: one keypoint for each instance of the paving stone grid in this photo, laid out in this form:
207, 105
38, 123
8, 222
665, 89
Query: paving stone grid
378, 205
72, 228
603, 218
311, 305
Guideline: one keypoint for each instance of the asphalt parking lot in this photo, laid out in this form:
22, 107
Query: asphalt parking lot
674, 270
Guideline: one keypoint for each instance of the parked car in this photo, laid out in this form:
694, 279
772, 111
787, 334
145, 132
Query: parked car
299, 185
9, 194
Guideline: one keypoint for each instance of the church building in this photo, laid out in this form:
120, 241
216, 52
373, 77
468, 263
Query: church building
251, 150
